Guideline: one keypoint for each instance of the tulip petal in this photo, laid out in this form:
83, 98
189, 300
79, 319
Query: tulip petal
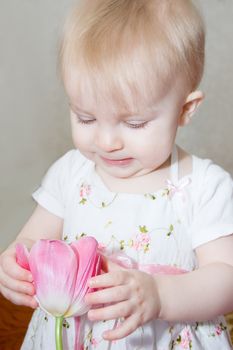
54, 268
22, 256
86, 252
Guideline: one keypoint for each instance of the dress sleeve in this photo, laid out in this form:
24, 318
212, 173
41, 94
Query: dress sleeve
52, 194
213, 208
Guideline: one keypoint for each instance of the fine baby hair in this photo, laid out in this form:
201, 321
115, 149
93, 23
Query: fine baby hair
118, 49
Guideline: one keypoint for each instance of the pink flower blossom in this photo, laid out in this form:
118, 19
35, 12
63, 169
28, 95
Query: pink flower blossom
60, 273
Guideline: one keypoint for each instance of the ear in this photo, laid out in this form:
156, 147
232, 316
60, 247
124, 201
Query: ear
190, 106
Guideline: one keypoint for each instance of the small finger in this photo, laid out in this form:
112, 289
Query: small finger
111, 312
17, 285
124, 328
110, 279
19, 298
107, 295
11, 268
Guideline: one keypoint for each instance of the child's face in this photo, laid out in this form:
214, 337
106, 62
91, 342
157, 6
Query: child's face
122, 143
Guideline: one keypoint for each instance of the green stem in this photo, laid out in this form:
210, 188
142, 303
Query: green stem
58, 333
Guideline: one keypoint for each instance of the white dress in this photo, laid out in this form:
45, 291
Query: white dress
160, 228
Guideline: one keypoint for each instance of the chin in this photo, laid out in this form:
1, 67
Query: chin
122, 173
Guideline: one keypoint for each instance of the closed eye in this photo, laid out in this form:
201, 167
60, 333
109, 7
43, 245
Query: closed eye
84, 119
137, 124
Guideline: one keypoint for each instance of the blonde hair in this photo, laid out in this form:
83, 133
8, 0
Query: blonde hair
120, 48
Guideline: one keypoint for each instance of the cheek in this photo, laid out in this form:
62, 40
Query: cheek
81, 138
155, 146
165, 130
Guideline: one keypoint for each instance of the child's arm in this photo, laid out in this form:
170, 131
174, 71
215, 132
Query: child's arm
202, 294
138, 297
15, 282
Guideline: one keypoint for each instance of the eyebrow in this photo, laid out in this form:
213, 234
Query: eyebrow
76, 109
121, 115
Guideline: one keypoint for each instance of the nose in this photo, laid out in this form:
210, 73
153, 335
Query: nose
108, 139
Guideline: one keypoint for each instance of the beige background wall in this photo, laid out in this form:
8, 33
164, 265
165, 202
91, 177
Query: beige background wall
33, 113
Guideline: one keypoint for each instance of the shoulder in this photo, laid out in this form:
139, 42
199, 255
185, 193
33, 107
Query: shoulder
71, 159
207, 174
212, 202
212, 192
66, 169
59, 181
68, 164
204, 171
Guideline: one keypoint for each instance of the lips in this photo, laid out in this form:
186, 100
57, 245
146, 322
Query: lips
117, 162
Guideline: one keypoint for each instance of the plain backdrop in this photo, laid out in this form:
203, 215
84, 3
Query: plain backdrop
34, 116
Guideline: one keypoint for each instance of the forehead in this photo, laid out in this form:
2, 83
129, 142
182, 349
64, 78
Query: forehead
98, 97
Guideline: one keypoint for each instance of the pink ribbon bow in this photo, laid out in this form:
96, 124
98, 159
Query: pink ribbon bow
178, 188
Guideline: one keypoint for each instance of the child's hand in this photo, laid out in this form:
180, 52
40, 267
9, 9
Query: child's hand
15, 282
133, 295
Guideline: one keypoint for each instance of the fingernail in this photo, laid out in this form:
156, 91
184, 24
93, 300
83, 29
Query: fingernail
94, 281
91, 282
30, 278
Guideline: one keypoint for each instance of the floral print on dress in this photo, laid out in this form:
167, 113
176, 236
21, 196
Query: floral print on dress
171, 230
85, 190
141, 241
150, 196
87, 340
90, 341
92, 195
184, 340
218, 330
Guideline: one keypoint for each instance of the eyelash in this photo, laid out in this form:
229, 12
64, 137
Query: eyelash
85, 122
131, 126
137, 126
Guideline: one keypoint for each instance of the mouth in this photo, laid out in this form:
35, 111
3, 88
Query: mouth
117, 162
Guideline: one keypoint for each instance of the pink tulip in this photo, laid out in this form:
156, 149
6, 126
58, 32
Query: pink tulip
60, 272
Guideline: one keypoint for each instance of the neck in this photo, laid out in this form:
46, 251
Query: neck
144, 183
